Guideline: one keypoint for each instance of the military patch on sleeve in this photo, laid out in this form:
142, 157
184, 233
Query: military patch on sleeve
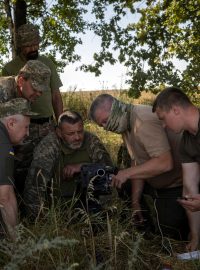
9, 167
11, 152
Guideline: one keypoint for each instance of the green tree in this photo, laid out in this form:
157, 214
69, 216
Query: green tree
165, 30
59, 22
157, 32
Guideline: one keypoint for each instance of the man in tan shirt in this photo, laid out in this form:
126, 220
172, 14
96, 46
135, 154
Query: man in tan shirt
153, 151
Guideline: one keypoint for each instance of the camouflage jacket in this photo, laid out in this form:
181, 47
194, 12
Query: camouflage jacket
46, 158
8, 88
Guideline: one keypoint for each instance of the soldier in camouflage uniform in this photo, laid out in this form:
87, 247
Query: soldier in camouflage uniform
14, 123
47, 105
50, 102
31, 81
61, 153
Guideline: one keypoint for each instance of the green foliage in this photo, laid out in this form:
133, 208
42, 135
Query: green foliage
164, 31
156, 33
59, 23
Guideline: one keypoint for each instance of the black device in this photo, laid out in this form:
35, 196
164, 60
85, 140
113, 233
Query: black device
98, 176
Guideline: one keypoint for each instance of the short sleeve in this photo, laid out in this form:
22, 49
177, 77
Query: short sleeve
55, 81
154, 138
184, 155
6, 164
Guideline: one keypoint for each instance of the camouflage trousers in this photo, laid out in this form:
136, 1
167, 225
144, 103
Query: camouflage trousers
24, 152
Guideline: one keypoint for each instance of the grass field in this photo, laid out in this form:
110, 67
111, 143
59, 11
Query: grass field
64, 239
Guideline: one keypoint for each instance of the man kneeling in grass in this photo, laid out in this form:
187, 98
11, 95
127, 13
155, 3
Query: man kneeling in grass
59, 157
14, 128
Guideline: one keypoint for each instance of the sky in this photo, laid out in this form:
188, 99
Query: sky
112, 76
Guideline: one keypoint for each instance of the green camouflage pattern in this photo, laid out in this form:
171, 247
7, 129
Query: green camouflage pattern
24, 151
123, 157
46, 159
38, 73
28, 35
16, 106
8, 88
43, 104
119, 118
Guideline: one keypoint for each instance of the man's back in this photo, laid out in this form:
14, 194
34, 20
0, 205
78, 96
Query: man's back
8, 88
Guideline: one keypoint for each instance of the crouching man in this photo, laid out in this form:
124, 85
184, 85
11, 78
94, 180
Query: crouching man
59, 156
14, 127
154, 152
178, 113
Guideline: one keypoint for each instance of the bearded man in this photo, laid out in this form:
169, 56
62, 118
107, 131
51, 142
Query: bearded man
59, 156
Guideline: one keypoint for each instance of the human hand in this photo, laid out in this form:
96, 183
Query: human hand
120, 178
70, 170
191, 202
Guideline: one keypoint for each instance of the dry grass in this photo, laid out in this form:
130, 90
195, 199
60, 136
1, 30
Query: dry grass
64, 239
80, 100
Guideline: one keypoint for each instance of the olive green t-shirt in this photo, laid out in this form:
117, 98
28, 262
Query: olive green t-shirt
190, 147
68, 186
43, 104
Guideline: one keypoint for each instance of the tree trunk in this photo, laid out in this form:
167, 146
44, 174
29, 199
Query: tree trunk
20, 9
13, 24
19, 13
10, 26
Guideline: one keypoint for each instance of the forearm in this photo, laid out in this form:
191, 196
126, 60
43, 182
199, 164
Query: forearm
150, 168
191, 178
137, 188
191, 187
9, 214
57, 103
194, 222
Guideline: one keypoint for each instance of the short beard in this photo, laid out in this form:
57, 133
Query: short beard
32, 55
75, 146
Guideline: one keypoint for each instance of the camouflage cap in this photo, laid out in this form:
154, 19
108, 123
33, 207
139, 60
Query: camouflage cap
16, 106
28, 35
38, 73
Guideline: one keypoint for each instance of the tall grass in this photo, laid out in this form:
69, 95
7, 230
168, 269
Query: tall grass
69, 239
100, 241
80, 101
